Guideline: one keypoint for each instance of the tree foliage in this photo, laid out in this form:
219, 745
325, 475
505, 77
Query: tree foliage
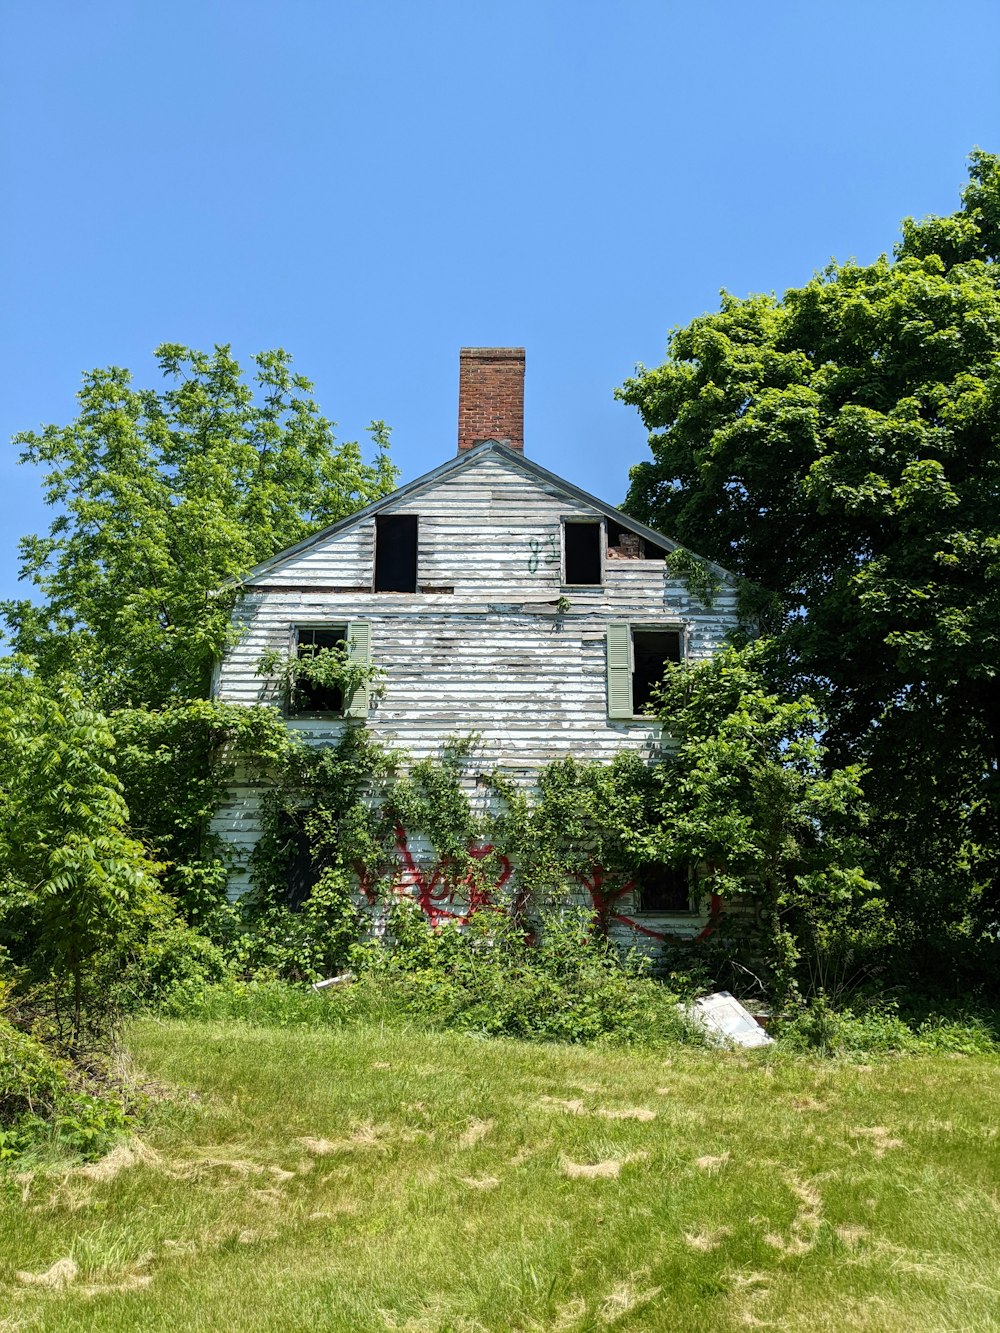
75, 887
839, 448
744, 792
161, 499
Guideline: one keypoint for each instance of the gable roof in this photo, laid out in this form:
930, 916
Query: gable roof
464, 459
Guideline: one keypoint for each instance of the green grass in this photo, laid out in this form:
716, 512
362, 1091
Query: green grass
446, 1194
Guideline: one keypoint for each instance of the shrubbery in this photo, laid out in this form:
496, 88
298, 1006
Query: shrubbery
43, 1106
490, 980
881, 1029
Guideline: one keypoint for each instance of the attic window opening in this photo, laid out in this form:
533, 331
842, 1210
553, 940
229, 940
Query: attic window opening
309, 696
623, 544
396, 553
582, 543
651, 651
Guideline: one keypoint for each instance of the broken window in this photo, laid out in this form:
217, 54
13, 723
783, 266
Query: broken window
582, 542
662, 888
396, 553
651, 651
637, 659
309, 696
624, 544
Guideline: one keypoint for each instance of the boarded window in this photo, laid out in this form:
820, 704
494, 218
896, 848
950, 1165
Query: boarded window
309, 696
662, 888
396, 553
583, 553
651, 651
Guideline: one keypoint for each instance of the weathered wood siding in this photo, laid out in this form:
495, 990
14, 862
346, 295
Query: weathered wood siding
493, 656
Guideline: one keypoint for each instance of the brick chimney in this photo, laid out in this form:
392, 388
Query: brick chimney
491, 396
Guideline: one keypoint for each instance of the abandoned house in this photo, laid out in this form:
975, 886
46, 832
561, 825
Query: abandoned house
496, 598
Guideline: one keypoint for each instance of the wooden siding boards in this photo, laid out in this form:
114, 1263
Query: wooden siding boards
496, 655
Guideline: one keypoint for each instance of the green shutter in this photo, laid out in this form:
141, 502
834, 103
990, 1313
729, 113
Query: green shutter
359, 648
619, 669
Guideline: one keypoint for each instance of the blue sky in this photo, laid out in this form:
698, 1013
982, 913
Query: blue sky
372, 185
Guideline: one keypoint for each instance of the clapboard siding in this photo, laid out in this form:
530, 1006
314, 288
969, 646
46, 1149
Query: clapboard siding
494, 656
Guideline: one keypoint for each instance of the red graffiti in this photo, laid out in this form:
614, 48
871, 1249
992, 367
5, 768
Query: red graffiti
440, 892
442, 886
604, 899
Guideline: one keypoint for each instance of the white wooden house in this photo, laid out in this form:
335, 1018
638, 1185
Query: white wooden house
497, 598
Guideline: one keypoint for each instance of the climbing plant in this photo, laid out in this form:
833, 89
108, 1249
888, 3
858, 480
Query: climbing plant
333, 667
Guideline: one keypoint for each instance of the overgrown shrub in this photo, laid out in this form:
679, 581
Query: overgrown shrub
560, 983
882, 1029
44, 1108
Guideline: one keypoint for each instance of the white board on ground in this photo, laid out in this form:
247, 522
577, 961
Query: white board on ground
725, 1019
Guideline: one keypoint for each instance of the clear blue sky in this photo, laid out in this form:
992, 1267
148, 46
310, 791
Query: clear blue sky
373, 183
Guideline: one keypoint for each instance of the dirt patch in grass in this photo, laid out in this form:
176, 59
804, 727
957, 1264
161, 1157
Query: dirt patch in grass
61, 1274
121, 1158
879, 1137
710, 1163
626, 1113
475, 1133
610, 1169
707, 1240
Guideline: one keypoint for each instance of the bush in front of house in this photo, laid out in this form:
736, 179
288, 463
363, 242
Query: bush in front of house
44, 1108
492, 978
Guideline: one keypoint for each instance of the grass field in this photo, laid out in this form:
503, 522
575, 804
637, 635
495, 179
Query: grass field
362, 1179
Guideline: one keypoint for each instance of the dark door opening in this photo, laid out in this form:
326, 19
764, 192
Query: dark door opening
396, 553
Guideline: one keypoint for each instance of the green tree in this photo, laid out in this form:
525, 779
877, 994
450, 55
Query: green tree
160, 499
744, 792
75, 887
839, 448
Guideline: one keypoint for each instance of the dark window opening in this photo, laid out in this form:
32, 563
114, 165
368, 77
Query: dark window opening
309, 696
301, 869
662, 888
396, 553
651, 651
583, 552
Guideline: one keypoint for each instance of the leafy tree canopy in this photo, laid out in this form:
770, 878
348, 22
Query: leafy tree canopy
839, 447
74, 885
160, 498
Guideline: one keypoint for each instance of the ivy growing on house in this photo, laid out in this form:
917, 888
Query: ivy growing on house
332, 668
739, 791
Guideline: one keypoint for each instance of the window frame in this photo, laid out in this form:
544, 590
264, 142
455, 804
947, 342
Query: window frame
357, 638
694, 899
396, 592
602, 549
643, 627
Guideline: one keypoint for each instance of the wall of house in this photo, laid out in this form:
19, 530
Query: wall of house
494, 655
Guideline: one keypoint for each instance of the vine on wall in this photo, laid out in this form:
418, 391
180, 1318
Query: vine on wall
740, 791
331, 668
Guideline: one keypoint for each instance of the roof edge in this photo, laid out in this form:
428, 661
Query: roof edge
444, 470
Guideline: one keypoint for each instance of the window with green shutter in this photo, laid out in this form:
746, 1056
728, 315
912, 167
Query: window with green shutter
637, 659
313, 698
359, 648
619, 669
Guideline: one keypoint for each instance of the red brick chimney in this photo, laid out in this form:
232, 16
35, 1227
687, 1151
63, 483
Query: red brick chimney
491, 396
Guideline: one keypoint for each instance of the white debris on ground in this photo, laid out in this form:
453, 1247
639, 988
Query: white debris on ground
726, 1021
